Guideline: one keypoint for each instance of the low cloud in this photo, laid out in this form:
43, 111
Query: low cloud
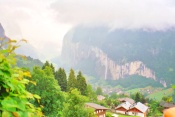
129, 14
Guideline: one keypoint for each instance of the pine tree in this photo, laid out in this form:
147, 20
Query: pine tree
49, 65
81, 83
61, 77
72, 82
46, 64
53, 68
99, 91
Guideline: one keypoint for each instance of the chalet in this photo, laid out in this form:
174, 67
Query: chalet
123, 108
138, 109
166, 105
99, 110
100, 97
131, 101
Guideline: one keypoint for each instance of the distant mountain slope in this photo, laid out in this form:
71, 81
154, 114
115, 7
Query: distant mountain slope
2, 32
28, 62
25, 49
116, 54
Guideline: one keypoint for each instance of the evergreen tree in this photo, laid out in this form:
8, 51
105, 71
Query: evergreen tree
99, 91
61, 77
139, 97
81, 83
46, 64
53, 68
72, 82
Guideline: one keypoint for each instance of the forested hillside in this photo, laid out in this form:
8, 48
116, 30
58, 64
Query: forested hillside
28, 62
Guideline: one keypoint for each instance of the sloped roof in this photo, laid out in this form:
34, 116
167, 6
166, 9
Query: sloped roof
141, 107
131, 101
125, 105
166, 104
96, 106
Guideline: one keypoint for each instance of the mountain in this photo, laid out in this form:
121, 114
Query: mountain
119, 54
28, 62
25, 48
2, 32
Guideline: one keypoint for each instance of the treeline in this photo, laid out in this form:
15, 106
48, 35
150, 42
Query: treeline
61, 95
68, 83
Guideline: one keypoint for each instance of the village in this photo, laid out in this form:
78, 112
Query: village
127, 108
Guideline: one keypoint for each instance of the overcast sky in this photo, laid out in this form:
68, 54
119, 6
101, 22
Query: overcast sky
44, 22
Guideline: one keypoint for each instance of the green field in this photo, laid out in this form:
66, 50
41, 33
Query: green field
120, 115
158, 95
125, 116
132, 91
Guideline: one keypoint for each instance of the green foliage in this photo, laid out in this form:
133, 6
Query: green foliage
53, 68
61, 77
154, 109
13, 94
108, 114
91, 94
74, 106
133, 81
47, 87
167, 98
81, 83
46, 64
139, 97
72, 82
99, 91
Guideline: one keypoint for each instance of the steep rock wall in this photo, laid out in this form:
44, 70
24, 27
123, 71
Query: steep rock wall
106, 68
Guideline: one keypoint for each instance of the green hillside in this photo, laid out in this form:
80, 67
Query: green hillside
28, 62
158, 95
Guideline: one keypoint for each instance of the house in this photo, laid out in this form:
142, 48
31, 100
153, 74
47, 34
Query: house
100, 97
131, 101
123, 108
166, 105
138, 109
99, 110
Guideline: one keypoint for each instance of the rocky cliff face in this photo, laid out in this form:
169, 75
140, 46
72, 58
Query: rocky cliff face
109, 69
117, 71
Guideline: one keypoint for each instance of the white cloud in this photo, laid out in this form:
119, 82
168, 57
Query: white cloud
34, 21
44, 22
156, 14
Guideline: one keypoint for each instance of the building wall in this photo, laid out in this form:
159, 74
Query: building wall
136, 112
121, 110
100, 113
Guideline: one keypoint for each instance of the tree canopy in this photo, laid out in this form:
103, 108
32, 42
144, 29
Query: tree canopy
61, 77
72, 82
13, 94
81, 83
47, 87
